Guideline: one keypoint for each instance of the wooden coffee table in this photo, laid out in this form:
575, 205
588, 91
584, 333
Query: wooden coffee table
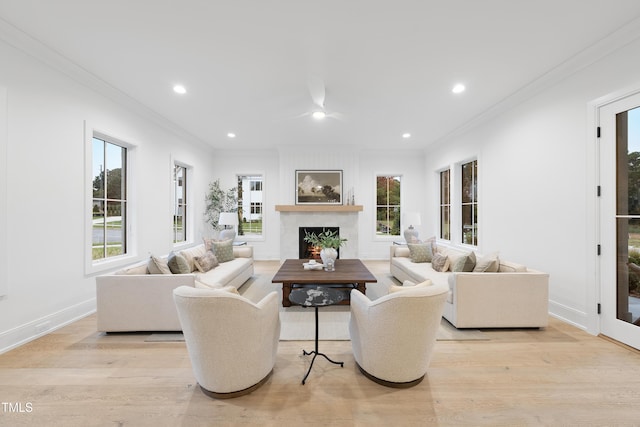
348, 274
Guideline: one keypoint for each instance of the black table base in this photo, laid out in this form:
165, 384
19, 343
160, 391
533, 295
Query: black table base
317, 353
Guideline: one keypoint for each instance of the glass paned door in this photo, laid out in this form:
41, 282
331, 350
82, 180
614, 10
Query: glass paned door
620, 220
628, 215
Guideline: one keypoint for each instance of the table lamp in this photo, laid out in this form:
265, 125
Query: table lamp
411, 234
228, 218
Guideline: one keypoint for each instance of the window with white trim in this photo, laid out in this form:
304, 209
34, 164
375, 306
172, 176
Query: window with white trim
445, 204
469, 205
179, 203
388, 205
250, 194
109, 206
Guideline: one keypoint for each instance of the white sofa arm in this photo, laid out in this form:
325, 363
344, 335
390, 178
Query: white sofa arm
139, 302
243, 251
494, 300
399, 251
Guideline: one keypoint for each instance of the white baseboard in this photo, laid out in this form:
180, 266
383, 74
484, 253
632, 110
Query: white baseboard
574, 317
35, 329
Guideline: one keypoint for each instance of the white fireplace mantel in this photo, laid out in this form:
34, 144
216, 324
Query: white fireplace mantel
318, 208
292, 217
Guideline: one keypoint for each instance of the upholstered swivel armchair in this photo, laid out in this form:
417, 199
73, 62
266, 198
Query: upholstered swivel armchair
393, 337
232, 342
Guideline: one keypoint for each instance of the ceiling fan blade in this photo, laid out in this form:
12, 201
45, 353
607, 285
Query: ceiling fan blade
317, 90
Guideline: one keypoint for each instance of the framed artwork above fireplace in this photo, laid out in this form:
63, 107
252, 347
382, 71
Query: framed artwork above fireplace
318, 187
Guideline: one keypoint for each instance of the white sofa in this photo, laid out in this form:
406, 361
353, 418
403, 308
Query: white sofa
131, 299
512, 297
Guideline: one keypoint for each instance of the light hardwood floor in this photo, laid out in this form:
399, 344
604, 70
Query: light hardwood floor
560, 376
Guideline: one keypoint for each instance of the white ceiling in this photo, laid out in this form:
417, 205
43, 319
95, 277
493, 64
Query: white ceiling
387, 66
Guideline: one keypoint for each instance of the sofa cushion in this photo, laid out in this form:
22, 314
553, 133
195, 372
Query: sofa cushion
511, 267
420, 252
191, 253
178, 264
487, 264
465, 263
205, 262
402, 252
223, 250
440, 262
224, 273
158, 265
137, 269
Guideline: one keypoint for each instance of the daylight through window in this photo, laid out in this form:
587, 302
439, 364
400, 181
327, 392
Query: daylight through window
388, 205
109, 207
445, 205
179, 204
250, 205
470, 203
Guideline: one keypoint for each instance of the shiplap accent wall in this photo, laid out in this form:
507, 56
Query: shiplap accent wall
319, 158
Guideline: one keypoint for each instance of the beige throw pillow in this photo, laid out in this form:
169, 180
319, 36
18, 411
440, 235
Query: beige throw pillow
191, 253
206, 262
440, 262
157, 266
487, 264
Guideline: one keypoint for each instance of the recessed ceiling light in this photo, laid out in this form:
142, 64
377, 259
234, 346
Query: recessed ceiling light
179, 89
406, 135
231, 135
459, 88
319, 115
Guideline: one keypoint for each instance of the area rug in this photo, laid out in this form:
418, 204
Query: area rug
298, 323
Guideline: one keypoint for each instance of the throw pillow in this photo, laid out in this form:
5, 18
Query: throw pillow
465, 263
222, 250
190, 254
420, 252
407, 284
205, 262
440, 262
178, 264
158, 266
488, 264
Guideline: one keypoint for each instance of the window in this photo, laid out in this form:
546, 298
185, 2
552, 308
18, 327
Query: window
179, 204
109, 207
445, 205
388, 205
250, 205
470, 203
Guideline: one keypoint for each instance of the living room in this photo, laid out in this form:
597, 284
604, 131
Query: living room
535, 149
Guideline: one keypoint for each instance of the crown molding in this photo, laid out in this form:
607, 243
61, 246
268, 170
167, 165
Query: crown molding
31, 46
616, 40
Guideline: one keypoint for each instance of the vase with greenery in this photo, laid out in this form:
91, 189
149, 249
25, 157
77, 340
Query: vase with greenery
218, 200
328, 241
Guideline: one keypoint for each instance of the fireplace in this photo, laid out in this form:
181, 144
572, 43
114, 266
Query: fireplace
307, 250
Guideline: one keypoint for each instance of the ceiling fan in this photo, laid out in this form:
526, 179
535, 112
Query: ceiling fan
317, 91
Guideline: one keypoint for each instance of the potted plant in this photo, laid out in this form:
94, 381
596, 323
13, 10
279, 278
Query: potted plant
328, 241
218, 201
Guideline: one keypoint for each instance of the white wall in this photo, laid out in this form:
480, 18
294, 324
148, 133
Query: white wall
359, 171
227, 165
46, 185
536, 178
